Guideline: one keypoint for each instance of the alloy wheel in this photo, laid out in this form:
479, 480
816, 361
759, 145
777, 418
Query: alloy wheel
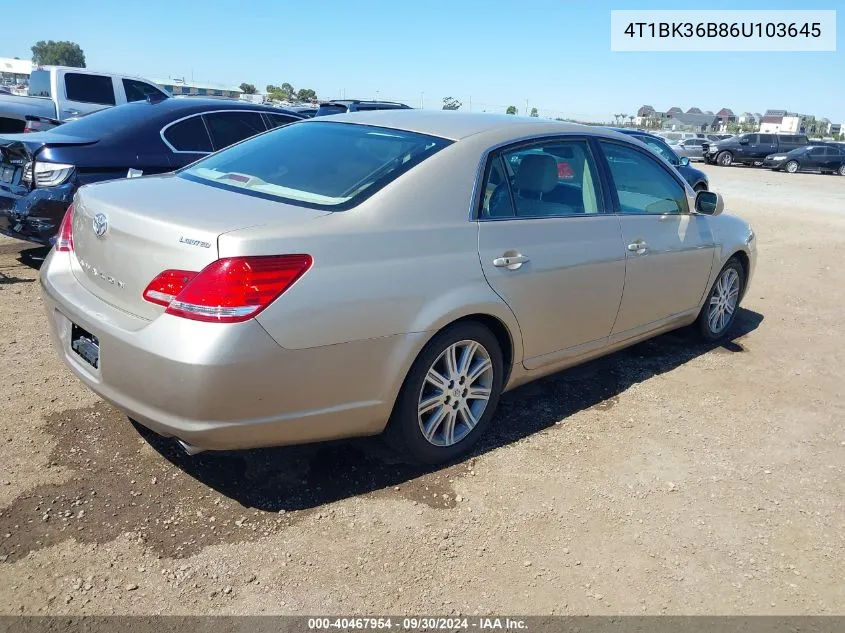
842, 170
723, 301
791, 167
455, 393
725, 159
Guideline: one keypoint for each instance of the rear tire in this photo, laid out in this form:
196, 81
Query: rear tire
449, 395
841, 170
725, 159
791, 167
719, 310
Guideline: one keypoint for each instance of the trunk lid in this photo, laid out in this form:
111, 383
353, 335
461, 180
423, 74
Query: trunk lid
158, 223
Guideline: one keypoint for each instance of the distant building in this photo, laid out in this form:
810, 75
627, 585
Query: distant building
182, 87
674, 110
783, 122
694, 111
15, 71
749, 117
726, 116
691, 122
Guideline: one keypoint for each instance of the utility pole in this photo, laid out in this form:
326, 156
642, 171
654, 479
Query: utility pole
470, 103
526, 106
422, 100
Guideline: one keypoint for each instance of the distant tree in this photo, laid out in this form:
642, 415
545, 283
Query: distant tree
287, 89
63, 53
631, 118
511, 110
272, 88
248, 89
450, 103
534, 112
304, 94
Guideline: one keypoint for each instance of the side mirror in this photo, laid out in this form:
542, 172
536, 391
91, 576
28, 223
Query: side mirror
684, 161
709, 203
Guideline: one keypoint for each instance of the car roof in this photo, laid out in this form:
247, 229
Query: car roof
454, 126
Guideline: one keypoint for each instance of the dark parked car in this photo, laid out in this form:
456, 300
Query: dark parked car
41, 171
750, 149
827, 159
695, 177
354, 105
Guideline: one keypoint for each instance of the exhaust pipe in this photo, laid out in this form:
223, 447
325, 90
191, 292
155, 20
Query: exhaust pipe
189, 448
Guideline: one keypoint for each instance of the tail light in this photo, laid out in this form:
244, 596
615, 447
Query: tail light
229, 290
64, 238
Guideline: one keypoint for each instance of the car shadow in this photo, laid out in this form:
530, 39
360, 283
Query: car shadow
34, 257
302, 477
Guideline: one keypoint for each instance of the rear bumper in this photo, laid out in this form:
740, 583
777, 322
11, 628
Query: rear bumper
223, 386
35, 216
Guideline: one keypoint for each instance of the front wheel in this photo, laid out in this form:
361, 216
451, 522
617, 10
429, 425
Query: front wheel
449, 395
719, 310
791, 167
725, 159
841, 170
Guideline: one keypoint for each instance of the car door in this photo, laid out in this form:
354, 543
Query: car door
548, 247
816, 159
669, 250
766, 144
834, 158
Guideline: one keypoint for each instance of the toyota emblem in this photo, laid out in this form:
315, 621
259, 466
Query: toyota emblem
100, 224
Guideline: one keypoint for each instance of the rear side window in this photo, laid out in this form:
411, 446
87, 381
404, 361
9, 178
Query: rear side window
189, 135
89, 88
552, 179
39, 84
341, 165
139, 90
766, 138
642, 185
817, 151
227, 128
832, 151
276, 120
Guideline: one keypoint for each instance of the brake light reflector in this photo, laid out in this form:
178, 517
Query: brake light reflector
229, 290
64, 238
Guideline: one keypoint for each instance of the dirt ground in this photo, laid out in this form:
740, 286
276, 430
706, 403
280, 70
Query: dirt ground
673, 477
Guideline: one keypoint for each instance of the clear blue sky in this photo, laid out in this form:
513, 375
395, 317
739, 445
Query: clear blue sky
555, 53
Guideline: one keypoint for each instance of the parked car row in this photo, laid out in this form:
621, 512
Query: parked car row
787, 152
272, 292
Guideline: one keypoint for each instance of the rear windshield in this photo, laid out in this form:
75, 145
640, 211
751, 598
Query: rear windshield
318, 164
39, 83
329, 108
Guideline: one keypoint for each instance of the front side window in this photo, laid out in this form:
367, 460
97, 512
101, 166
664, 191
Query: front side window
189, 135
341, 165
767, 138
89, 88
642, 184
817, 151
139, 90
227, 128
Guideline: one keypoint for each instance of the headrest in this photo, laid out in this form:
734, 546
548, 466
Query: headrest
537, 173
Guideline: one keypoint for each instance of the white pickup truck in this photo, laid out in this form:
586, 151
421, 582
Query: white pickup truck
58, 93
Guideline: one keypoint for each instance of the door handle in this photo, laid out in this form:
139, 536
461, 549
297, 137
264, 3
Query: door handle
511, 262
639, 247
